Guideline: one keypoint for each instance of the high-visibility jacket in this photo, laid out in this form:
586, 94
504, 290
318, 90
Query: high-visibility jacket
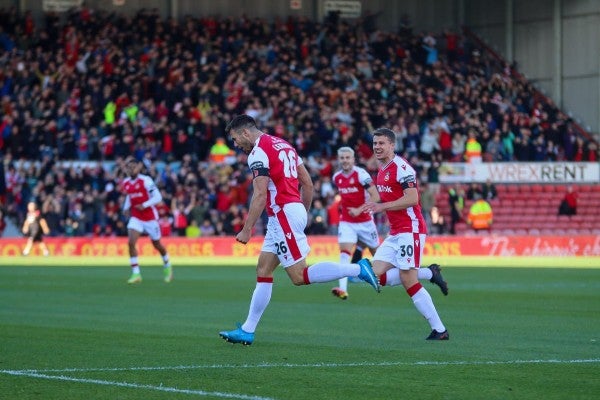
472, 150
219, 151
480, 215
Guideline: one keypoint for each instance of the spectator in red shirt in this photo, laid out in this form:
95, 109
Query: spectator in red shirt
333, 215
568, 205
224, 198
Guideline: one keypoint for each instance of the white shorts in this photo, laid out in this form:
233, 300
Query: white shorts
403, 250
285, 235
150, 227
354, 232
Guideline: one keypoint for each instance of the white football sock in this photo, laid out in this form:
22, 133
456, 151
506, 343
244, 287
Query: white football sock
135, 266
424, 273
259, 303
344, 259
327, 271
423, 303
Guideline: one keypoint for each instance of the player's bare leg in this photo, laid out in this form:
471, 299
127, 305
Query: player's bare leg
167, 268
136, 276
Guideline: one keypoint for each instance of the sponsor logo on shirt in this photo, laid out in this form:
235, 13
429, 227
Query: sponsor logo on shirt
384, 189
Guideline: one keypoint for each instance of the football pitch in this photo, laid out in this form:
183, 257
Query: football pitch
80, 332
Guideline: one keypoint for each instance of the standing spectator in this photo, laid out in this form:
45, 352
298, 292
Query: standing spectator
429, 143
220, 151
207, 228
472, 148
568, 205
474, 190
165, 221
180, 221
333, 215
318, 219
433, 174
480, 215
427, 197
458, 146
488, 190
494, 149
192, 230
438, 223
457, 203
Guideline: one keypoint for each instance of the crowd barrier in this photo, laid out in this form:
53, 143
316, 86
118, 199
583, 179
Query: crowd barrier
321, 246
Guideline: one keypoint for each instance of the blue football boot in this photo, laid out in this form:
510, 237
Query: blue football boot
238, 336
367, 274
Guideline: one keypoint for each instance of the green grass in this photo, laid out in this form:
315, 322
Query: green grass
82, 333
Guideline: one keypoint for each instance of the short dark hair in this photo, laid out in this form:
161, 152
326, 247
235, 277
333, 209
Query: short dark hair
388, 133
240, 121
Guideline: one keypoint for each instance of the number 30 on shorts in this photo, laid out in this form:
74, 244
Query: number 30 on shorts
281, 248
406, 251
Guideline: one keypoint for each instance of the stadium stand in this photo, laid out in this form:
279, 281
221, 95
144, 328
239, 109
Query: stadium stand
533, 210
89, 88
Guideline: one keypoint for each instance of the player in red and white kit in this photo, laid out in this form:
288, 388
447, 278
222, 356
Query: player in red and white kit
142, 196
278, 174
357, 228
403, 248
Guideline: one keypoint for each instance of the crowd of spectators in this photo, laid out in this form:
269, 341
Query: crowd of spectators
96, 87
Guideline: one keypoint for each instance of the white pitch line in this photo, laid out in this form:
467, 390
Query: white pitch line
316, 365
137, 386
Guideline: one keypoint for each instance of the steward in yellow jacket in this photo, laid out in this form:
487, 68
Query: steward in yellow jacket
480, 215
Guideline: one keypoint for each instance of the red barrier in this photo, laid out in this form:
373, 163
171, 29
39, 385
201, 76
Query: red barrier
321, 246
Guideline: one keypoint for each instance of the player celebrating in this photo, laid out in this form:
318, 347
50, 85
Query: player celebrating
278, 173
403, 248
142, 196
357, 228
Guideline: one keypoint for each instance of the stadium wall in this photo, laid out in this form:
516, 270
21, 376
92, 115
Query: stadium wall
321, 246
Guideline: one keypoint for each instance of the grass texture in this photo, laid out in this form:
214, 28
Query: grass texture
517, 332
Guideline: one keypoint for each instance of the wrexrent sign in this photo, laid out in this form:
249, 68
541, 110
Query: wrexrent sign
321, 246
543, 172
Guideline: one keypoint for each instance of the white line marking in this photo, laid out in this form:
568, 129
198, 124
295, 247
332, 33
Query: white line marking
137, 386
316, 365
